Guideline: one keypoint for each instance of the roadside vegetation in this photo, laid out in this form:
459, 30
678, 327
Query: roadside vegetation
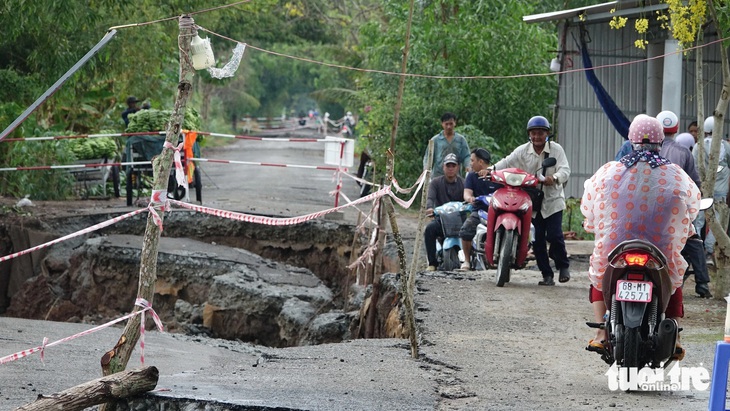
452, 38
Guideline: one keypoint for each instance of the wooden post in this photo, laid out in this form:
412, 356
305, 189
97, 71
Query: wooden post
116, 359
408, 282
110, 388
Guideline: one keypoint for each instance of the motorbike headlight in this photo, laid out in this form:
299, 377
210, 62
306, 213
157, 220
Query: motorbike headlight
514, 180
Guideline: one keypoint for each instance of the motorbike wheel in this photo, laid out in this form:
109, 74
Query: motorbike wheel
505, 258
451, 259
632, 346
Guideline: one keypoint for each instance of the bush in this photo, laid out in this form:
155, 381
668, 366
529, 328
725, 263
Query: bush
55, 184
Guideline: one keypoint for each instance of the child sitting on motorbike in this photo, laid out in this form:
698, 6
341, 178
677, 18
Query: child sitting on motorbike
642, 196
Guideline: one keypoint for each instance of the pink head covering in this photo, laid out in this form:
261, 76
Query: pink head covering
645, 129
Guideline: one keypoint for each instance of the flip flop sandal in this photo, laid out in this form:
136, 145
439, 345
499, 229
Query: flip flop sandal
595, 346
679, 353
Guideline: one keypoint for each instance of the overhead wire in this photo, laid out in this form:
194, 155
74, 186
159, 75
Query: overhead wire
414, 75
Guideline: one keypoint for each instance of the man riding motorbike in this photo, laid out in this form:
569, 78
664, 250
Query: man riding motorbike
642, 196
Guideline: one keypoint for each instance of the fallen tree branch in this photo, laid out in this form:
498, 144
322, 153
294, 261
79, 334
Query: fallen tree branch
109, 388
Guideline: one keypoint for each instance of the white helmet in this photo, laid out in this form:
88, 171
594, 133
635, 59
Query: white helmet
685, 140
709, 124
669, 121
349, 113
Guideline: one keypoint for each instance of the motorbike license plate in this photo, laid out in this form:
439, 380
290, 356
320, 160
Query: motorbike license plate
634, 291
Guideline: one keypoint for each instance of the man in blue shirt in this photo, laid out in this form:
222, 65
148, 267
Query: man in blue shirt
475, 186
448, 142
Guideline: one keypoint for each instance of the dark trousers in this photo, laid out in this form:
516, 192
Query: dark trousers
549, 230
433, 232
694, 253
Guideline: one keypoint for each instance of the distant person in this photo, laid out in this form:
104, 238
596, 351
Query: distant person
672, 150
146, 105
722, 179
693, 129
443, 189
131, 109
447, 142
475, 186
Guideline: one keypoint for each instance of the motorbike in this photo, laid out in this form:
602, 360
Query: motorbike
478, 260
452, 217
636, 290
509, 219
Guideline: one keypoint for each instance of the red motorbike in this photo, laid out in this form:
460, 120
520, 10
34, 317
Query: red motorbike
508, 222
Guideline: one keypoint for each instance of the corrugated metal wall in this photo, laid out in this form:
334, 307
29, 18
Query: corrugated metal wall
584, 131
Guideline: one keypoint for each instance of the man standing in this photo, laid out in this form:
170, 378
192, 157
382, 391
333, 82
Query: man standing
131, 108
722, 179
475, 186
443, 189
693, 251
447, 142
548, 220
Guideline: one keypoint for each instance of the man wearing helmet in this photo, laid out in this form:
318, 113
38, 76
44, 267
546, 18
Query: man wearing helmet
722, 179
643, 196
548, 221
672, 150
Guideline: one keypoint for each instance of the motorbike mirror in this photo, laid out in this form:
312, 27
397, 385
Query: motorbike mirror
549, 162
706, 203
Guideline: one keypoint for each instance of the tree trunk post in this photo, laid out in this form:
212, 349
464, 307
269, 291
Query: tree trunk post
110, 388
722, 248
116, 359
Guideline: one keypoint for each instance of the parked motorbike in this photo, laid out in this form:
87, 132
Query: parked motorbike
509, 218
452, 217
636, 290
346, 130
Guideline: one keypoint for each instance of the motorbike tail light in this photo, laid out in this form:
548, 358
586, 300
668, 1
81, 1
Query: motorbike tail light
636, 259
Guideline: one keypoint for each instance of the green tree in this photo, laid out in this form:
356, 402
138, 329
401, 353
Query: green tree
456, 38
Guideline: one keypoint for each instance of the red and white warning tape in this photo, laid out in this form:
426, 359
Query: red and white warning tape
76, 234
68, 166
253, 163
80, 136
141, 302
276, 221
147, 133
